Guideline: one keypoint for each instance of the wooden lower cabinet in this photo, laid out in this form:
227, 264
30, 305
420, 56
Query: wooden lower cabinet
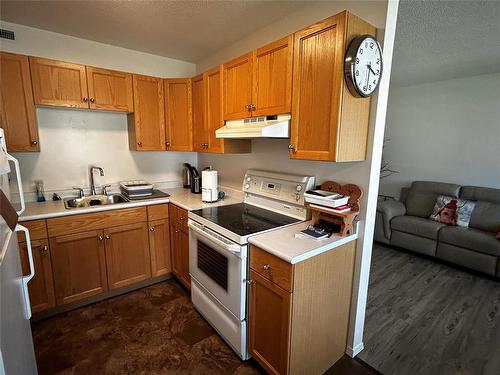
41, 286
269, 337
159, 245
304, 330
79, 266
180, 245
127, 254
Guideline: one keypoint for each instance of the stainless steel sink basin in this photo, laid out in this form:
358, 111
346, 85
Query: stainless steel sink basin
94, 200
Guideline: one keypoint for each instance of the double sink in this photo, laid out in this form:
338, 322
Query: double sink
94, 200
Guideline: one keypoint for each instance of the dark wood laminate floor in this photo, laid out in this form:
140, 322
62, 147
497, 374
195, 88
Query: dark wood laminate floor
429, 318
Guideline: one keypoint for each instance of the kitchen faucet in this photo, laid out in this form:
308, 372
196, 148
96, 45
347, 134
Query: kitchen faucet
92, 183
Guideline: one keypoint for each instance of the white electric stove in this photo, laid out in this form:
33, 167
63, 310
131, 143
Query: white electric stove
218, 247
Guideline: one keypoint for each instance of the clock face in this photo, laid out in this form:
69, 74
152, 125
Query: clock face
364, 66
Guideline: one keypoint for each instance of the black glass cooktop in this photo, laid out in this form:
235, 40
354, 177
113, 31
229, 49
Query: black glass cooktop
244, 219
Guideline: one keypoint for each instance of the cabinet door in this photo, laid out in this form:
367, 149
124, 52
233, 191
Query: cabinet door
269, 324
317, 85
272, 78
110, 90
127, 254
59, 83
178, 114
159, 247
213, 83
237, 87
78, 265
200, 133
147, 123
184, 263
17, 115
175, 247
41, 286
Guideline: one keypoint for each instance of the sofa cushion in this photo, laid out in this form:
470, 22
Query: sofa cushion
477, 193
486, 216
438, 188
418, 226
453, 211
420, 203
469, 238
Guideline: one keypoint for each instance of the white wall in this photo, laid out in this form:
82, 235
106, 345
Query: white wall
71, 140
273, 154
444, 131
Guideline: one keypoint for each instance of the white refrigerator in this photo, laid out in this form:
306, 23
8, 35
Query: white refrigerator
17, 356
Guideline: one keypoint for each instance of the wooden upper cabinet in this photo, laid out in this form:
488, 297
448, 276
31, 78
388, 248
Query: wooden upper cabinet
41, 287
59, 83
147, 123
178, 114
272, 78
328, 123
110, 90
237, 87
78, 265
17, 115
127, 254
200, 131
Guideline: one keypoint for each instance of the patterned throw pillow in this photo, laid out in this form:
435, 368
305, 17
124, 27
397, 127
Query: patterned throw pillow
453, 211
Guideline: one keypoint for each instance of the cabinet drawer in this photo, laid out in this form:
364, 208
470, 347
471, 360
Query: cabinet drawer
37, 228
272, 268
180, 216
158, 212
99, 220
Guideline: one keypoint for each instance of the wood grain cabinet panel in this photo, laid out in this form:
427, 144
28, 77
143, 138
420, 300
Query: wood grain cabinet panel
158, 212
328, 123
37, 229
213, 86
180, 244
146, 126
127, 254
178, 114
79, 266
59, 83
159, 246
17, 114
269, 324
275, 269
272, 78
110, 90
237, 87
41, 286
200, 130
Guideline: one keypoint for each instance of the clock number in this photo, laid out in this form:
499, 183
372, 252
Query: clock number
364, 88
357, 60
370, 87
371, 45
357, 73
361, 51
378, 61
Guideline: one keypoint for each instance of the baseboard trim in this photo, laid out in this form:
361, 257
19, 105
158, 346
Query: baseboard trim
353, 352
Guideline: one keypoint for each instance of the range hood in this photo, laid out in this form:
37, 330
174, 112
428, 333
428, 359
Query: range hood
277, 126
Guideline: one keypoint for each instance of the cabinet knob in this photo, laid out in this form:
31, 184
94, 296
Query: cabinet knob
252, 107
291, 147
249, 282
177, 231
92, 100
139, 143
107, 237
85, 99
247, 107
267, 266
34, 142
152, 229
167, 144
100, 238
45, 248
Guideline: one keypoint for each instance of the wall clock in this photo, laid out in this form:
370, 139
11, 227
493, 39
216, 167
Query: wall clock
363, 66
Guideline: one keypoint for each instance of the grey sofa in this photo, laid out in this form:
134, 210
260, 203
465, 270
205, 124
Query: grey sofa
405, 223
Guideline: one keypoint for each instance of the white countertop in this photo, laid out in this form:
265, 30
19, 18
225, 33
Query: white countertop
284, 244
178, 196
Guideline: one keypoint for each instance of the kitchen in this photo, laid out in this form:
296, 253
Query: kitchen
94, 138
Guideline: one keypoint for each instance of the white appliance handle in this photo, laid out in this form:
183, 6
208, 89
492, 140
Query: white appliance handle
26, 279
233, 248
19, 183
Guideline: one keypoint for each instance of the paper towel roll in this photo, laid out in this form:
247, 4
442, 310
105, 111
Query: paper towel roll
209, 186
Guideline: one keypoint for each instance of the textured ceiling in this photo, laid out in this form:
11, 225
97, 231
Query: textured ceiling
185, 30
440, 40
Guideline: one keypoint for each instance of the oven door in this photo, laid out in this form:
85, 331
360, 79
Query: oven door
220, 266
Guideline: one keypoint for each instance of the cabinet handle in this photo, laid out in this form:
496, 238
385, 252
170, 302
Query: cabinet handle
45, 248
100, 238
252, 107
152, 229
139, 144
107, 237
92, 100
249, 282
247, 107
292, 147
34, 142
167, 144
177, 231
267, 266
85, 99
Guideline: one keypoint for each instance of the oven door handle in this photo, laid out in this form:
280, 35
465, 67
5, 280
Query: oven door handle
234, 248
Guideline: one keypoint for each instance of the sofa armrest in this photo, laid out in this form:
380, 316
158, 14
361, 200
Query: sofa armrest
389, 209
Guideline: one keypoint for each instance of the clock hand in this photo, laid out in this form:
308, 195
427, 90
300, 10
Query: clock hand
370, 67
368, 77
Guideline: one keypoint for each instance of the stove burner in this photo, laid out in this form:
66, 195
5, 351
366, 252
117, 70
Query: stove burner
247, 226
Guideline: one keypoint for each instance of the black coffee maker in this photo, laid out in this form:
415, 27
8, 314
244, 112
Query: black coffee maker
194, 179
